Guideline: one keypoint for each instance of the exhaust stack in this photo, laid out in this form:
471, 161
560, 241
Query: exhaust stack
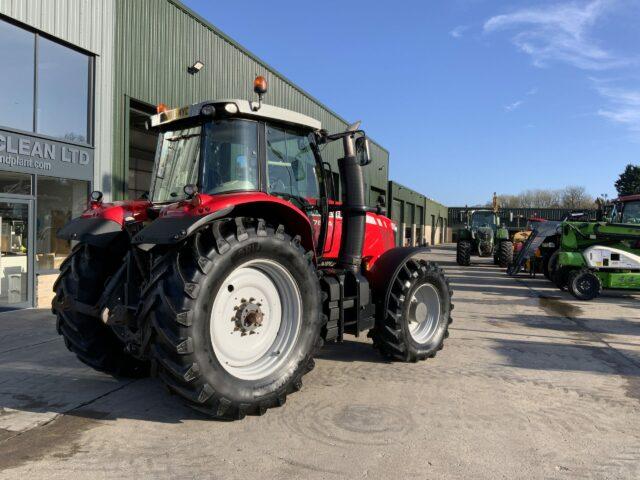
354, 209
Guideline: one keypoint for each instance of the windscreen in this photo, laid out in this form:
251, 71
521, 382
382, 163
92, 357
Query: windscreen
230, 160
482, 219
631, 212
176, 165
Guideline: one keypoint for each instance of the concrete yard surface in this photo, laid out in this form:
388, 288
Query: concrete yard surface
530, 384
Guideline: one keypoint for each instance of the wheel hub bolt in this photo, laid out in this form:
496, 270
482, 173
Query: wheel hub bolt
248, 318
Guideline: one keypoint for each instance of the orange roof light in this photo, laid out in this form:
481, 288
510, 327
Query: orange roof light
161, 108
260, 85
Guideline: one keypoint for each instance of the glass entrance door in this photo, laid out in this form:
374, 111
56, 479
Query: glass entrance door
15, 254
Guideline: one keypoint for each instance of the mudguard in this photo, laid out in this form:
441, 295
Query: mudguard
571, 259
502, 234
386, 268
464, 234
94, 231
170, 230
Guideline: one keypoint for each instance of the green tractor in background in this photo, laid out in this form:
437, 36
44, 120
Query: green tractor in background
600, 255
483, 236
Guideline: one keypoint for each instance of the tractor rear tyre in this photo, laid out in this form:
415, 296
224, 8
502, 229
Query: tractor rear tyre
418, 313
237, 318
78, 288
584, 284
505, 253
463, 253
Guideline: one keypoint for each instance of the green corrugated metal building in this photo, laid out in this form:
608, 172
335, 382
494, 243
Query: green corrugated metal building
145, 76
84, 76
420, 219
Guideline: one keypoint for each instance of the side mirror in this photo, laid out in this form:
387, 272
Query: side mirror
382, 201
362, 151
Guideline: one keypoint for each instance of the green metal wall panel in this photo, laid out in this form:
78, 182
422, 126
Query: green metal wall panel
156, 40
400, 193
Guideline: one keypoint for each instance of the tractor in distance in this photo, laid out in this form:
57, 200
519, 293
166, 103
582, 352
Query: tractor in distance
600, 255
229, 277
485, 237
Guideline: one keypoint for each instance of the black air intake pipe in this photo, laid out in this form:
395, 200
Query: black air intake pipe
353, 208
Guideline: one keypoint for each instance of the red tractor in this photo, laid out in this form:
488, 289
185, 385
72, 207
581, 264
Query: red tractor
227, 279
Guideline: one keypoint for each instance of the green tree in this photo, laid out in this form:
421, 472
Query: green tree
629, 181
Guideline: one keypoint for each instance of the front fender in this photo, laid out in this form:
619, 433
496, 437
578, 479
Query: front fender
571, 259
502, 234
386, 268
92, 230
464, 234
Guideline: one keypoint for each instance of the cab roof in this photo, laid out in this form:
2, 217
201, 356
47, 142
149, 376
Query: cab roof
237, 108
629, 198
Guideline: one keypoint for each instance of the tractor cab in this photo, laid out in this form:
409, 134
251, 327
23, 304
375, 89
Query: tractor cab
231, 146
626, 210
252, 156
484, 218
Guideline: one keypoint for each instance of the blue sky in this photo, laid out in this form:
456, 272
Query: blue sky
469, 96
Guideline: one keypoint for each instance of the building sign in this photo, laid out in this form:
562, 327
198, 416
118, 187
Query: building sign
30, 154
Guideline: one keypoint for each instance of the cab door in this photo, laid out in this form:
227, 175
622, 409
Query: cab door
292, 173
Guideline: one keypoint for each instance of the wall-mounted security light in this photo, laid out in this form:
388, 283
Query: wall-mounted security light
195, 68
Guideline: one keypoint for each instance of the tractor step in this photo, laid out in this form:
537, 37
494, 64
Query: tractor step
347, 304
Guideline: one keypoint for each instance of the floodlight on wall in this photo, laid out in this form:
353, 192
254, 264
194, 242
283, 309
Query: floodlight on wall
195, 68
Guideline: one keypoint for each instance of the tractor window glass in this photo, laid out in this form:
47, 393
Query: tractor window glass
482, 219
291, 165
631, 213
176, 164
230, 156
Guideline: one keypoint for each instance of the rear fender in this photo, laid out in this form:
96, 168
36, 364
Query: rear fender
95, 231
171, 230
278, 213
103, 223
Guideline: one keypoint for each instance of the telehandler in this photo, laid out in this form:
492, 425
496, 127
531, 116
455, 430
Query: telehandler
600, 255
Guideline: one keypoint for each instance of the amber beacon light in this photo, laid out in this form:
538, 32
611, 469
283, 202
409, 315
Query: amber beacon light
260, 88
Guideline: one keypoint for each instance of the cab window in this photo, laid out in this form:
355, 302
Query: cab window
230, 160
291, 165
631, 213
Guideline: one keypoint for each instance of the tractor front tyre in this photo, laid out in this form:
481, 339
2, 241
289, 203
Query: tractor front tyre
463, 253
418, 313
236, 317
550, 264
82, 278
584, 284
560, 276
504, 253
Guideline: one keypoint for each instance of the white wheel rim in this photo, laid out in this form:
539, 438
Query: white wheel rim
424, 313
255, 319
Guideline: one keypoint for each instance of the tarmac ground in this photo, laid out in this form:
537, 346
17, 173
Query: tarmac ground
531, 384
